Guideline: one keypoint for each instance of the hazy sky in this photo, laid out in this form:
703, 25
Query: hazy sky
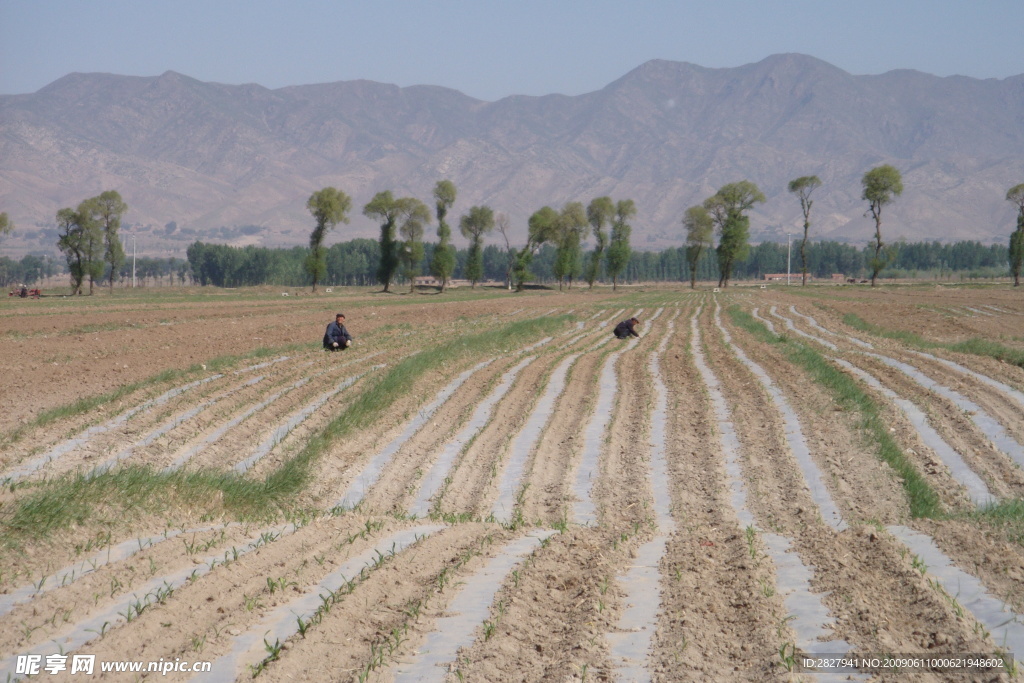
489, 48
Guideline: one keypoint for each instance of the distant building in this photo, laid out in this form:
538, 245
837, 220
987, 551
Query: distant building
781, 277
431, 281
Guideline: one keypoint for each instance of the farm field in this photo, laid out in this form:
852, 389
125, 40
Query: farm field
490, 487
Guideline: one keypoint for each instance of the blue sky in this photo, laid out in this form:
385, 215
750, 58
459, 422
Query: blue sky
488, 48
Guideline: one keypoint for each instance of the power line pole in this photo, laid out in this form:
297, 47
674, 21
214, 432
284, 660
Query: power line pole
789, 257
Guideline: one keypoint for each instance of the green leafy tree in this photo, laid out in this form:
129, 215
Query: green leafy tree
109, 208
700, 230
571, 225
386, 209
414, 215
600, 213
329, 207
727, 208
803, 187
89, 211
443, 263
5, 229
81, 242
881, 186
543, 227
1016, 195
70, 244
474, 225
619, 250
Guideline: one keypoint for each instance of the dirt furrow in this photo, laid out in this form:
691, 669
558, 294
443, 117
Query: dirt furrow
864, 487
365, 475
551, 615
435, 481
467, 612
498, 468
204, 618
950, 423
13, 595
465, 490
121, 608
1003, 402
249, 651
546, 496
720, 546
407, 464
107, 438
390, 611
871, 589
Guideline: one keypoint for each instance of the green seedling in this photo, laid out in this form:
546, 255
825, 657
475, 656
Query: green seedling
787, 653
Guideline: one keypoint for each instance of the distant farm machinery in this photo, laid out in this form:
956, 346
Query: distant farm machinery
24, 292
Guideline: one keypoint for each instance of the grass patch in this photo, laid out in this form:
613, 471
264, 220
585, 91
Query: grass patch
923, 500
121, 494
1005, 516
976, 345
131, 490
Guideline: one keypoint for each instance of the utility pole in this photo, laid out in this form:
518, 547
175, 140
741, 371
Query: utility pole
789, 256
133, 261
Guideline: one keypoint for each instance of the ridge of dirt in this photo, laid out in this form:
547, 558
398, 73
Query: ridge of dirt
868, 583
400, 475
867, 486
717, 620
475, 469
547, 484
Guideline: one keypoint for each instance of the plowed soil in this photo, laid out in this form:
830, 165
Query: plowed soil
139, 395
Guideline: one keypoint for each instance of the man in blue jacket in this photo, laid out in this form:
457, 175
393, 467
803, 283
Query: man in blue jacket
337, 337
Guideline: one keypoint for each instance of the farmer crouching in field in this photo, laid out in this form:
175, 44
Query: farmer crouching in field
337, 337
626, 328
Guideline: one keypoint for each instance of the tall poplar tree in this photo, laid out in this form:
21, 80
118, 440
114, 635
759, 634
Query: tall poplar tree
385, 208
803, 187
881, 186
619, 250
542, 225
5, 229
109, 210
474, 225
413, 215
571, 225
600, 213
727, 208
1016, 195
700, 230
443, 263
329, 207
81, 240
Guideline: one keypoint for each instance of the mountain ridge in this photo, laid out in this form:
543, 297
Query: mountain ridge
211, 158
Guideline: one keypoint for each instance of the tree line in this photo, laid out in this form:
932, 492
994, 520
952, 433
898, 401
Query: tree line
355, 262
401, 250
724, 213
88, 237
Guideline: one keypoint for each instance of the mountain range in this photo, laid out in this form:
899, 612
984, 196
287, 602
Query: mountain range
236, 163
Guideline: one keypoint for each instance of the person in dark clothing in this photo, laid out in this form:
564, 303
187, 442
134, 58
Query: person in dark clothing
626, 328
337, 337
